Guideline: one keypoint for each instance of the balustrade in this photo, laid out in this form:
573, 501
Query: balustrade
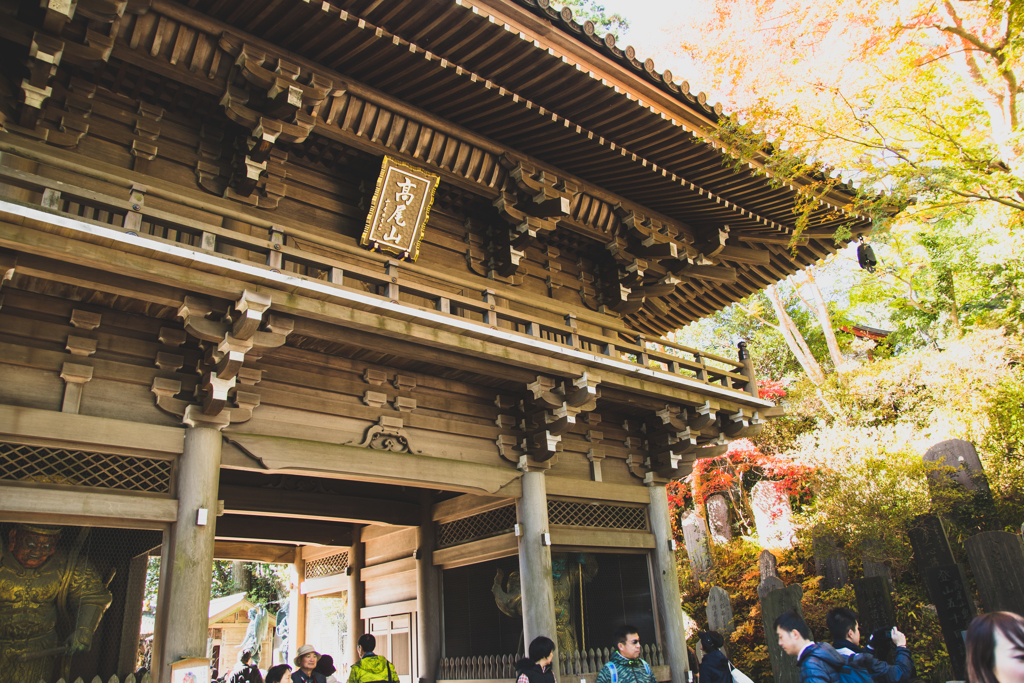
575, 663
300, 255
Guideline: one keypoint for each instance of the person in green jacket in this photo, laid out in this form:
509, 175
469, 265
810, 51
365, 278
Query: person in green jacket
370, 667
625, 665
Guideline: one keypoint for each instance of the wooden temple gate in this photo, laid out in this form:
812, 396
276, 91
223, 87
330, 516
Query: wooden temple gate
373, 289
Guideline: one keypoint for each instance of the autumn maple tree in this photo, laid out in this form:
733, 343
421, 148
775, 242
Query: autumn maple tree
919, 98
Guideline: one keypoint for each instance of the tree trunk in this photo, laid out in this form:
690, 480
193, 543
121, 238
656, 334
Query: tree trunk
821, 312
949, 289
794, 339
240, 577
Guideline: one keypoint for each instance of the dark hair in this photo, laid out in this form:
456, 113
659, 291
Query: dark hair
276, 673
840, 621
791, 621
622, 634
711, 640
981, 643
325, 665
880, 643
367, 642
541, 647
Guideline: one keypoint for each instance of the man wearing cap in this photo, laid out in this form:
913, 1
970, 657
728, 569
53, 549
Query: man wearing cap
43, 587
305, 664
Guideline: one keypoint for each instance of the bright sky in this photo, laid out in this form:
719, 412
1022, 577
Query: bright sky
647, 18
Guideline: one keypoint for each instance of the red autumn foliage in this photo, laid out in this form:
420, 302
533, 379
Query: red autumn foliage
734, 473
771, 390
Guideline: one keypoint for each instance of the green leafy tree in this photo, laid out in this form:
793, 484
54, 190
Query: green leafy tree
919, 98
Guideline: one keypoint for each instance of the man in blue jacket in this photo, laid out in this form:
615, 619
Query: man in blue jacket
819, 662
843, 624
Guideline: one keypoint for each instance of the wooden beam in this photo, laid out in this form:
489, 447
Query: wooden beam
324, 584
378, 571
282, 530
601, 538
84, 507
466, 505
595, 490
353, 462
254, 552
314, 505
473, 552
101, 433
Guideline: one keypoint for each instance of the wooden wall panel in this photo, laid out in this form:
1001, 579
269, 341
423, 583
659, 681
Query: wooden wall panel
391, 547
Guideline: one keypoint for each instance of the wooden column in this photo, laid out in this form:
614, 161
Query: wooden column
428, 595
296, 607
191, 549
538, 591
666, 585
135, 593
356, 591
748, 369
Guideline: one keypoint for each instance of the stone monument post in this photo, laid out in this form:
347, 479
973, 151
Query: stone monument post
718, 519
997, 562
774, 604
719, 610
874, 604
695, 536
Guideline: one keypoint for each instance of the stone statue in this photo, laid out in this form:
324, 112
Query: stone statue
43, 589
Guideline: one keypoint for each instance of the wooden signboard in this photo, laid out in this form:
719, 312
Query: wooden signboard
190, 670
399, 211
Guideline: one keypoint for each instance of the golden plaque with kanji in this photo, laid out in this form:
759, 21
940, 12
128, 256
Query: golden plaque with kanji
399, 211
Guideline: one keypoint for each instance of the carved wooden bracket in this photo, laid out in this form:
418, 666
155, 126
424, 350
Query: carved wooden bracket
537, 420
276, 103
533, 201
51, 45
226, 341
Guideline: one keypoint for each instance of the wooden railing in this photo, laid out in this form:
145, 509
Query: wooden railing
391, 283
130, 678
576, 663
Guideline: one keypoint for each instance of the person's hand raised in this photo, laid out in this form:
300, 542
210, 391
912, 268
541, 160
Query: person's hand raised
898, 639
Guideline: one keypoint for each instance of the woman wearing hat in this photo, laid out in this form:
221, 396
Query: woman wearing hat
305, 665
714, 667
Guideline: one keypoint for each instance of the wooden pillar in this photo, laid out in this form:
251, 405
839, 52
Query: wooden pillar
356, 591
666, 585
296, 607
428, 595
538, 591
135, 594
163, 607
748, 369
191, 549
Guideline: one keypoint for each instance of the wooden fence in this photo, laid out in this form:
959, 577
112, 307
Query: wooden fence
130, 678
495, 667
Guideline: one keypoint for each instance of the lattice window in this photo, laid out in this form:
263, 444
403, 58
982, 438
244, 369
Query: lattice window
327, 566
563, 513
19, 462
488, 523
